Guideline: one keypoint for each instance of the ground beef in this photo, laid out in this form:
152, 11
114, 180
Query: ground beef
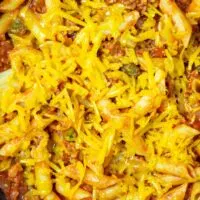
183, 4
146, 45
38, 6
67, 40
157, 52
149, 45
193, 119
191, 76
5, 47
196, 33
71, 153
140, 22
141, 5
170, 86
9, 116
12, 183
57, 127
78, 2
196, 27
115, 48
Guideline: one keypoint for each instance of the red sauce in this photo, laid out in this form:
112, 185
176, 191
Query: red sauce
12, 183
5, 47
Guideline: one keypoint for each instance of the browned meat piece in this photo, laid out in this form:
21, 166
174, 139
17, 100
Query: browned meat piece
78, 2
37, 6
114, 48
191, 76
9, 116
196, 34
140, 22
56, 127
117, 50
170, 86
183, 4
193, 119
149, 45
141, 5
144, 46
12, 183
68, 41
71, 153
5, 47
158, 52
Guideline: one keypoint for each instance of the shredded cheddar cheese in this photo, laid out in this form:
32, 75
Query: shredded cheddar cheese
90, 111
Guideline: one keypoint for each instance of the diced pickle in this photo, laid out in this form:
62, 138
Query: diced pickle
70, 135
131, 69
17, 27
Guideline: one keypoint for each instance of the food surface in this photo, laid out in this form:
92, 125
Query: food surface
100, 99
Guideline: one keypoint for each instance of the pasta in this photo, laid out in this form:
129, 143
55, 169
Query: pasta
101, 100
8, 5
